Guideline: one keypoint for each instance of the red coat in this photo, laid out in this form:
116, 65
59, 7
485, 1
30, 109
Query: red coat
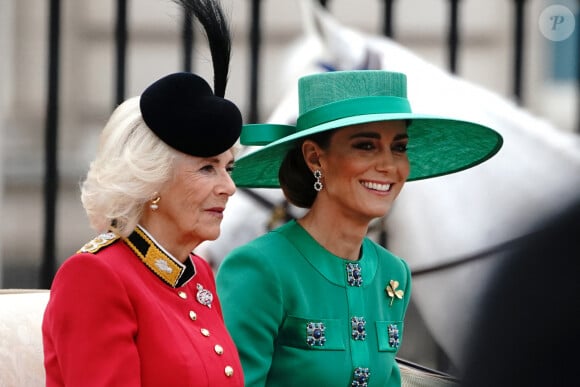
112, 321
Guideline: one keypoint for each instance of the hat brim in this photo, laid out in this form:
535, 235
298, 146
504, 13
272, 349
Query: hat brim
437, 146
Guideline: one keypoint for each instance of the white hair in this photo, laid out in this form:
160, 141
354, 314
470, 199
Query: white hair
131, 165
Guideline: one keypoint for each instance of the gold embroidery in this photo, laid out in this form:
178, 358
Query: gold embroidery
156, 260
98, 243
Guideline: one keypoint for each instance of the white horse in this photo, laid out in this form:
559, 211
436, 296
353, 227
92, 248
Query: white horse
442, 220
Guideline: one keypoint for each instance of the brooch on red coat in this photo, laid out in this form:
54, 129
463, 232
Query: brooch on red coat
393, 292
204, 296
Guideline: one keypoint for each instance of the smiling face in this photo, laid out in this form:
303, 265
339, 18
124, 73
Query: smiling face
364, 168
192, 203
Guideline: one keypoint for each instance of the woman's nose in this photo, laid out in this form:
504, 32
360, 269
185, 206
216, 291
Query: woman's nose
386, 161
228, 186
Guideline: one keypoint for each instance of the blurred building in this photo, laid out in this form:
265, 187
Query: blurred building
485, 56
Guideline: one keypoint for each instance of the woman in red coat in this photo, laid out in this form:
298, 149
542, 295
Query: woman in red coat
135, 306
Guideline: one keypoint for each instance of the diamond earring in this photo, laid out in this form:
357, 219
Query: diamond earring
318, 183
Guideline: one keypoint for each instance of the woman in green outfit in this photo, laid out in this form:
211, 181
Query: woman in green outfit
316, 302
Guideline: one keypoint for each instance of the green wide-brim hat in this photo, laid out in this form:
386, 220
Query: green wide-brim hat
437, 145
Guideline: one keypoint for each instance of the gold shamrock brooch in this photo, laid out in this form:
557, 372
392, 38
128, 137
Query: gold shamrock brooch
392, 291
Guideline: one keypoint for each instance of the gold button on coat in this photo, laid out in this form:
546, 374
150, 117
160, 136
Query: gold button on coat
192, 315
183, 295
204, 332
229, 371
218, 349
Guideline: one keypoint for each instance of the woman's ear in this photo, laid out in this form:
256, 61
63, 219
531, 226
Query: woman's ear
311, 153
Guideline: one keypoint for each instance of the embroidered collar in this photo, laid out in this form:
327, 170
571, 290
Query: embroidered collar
332, 267
158, 260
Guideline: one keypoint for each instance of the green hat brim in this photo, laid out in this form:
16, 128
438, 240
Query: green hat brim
437, 146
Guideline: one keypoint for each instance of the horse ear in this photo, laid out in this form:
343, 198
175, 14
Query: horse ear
342, 47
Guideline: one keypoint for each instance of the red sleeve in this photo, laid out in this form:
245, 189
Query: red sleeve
89, 327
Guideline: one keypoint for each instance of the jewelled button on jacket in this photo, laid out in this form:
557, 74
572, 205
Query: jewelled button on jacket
151, 320
316, 319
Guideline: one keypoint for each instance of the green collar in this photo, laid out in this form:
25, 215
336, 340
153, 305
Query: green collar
158, 260
332, 267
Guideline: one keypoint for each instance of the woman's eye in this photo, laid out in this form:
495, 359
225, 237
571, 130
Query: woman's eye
364, 145
207, 168
230, 169
401, 147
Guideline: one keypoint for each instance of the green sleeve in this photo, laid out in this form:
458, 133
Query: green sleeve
249, 291
408, 287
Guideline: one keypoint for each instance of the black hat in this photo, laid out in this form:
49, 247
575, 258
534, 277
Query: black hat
182, 110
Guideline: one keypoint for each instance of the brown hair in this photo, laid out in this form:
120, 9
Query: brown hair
296, 179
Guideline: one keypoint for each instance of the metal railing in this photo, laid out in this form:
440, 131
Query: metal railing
51, 179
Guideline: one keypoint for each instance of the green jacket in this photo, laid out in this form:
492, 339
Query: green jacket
300, 317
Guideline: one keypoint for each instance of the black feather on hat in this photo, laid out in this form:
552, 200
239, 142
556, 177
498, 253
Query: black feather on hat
182, 109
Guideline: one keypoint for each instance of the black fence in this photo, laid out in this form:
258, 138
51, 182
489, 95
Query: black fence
51, 179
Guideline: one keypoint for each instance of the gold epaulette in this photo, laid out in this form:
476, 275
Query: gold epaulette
99, 242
